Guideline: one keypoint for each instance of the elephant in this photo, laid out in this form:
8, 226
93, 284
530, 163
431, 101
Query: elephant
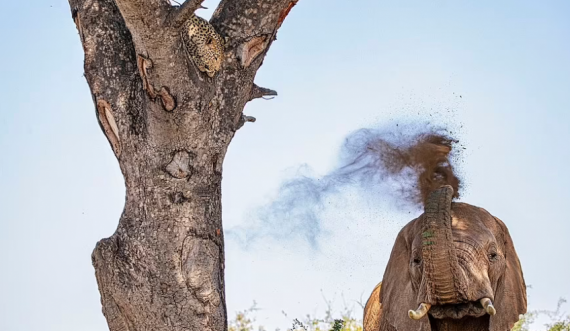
452, 268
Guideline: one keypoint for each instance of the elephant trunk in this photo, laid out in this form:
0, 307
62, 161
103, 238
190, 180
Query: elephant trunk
442, 281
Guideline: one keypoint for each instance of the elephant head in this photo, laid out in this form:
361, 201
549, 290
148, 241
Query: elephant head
452, 268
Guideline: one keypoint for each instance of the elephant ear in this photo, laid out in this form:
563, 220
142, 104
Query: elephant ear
510, 295
397, 295
373, 310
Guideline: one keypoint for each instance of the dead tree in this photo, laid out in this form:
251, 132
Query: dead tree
169, 125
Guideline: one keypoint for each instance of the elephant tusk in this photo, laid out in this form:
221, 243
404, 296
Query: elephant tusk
420, 312
488, 305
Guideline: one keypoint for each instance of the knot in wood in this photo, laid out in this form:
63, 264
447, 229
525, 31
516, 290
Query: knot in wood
179, 167
248, 51
109, 125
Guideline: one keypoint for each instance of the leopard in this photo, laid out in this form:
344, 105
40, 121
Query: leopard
203, 45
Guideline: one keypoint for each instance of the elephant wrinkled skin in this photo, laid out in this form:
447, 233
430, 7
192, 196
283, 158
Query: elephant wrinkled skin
452, 268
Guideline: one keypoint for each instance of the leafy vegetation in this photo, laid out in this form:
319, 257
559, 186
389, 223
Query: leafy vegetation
244, 321
558, 321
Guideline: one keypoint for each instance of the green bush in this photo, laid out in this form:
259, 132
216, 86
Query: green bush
243, 321
558, 322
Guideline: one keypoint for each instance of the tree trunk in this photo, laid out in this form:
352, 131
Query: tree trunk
169, 125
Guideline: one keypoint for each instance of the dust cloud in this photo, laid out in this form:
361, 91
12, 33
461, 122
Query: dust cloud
399, 163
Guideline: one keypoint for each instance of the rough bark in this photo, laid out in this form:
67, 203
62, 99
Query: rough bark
169, 126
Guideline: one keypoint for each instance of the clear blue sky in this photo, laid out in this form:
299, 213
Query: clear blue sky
338, 67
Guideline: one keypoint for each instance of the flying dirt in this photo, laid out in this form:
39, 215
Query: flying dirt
400, 163
426, 154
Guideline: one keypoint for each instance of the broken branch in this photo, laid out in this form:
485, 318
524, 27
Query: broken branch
260, 92
243, 119
249, 118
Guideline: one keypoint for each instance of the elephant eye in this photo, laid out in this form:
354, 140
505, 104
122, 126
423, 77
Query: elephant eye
417, 261
493, 256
